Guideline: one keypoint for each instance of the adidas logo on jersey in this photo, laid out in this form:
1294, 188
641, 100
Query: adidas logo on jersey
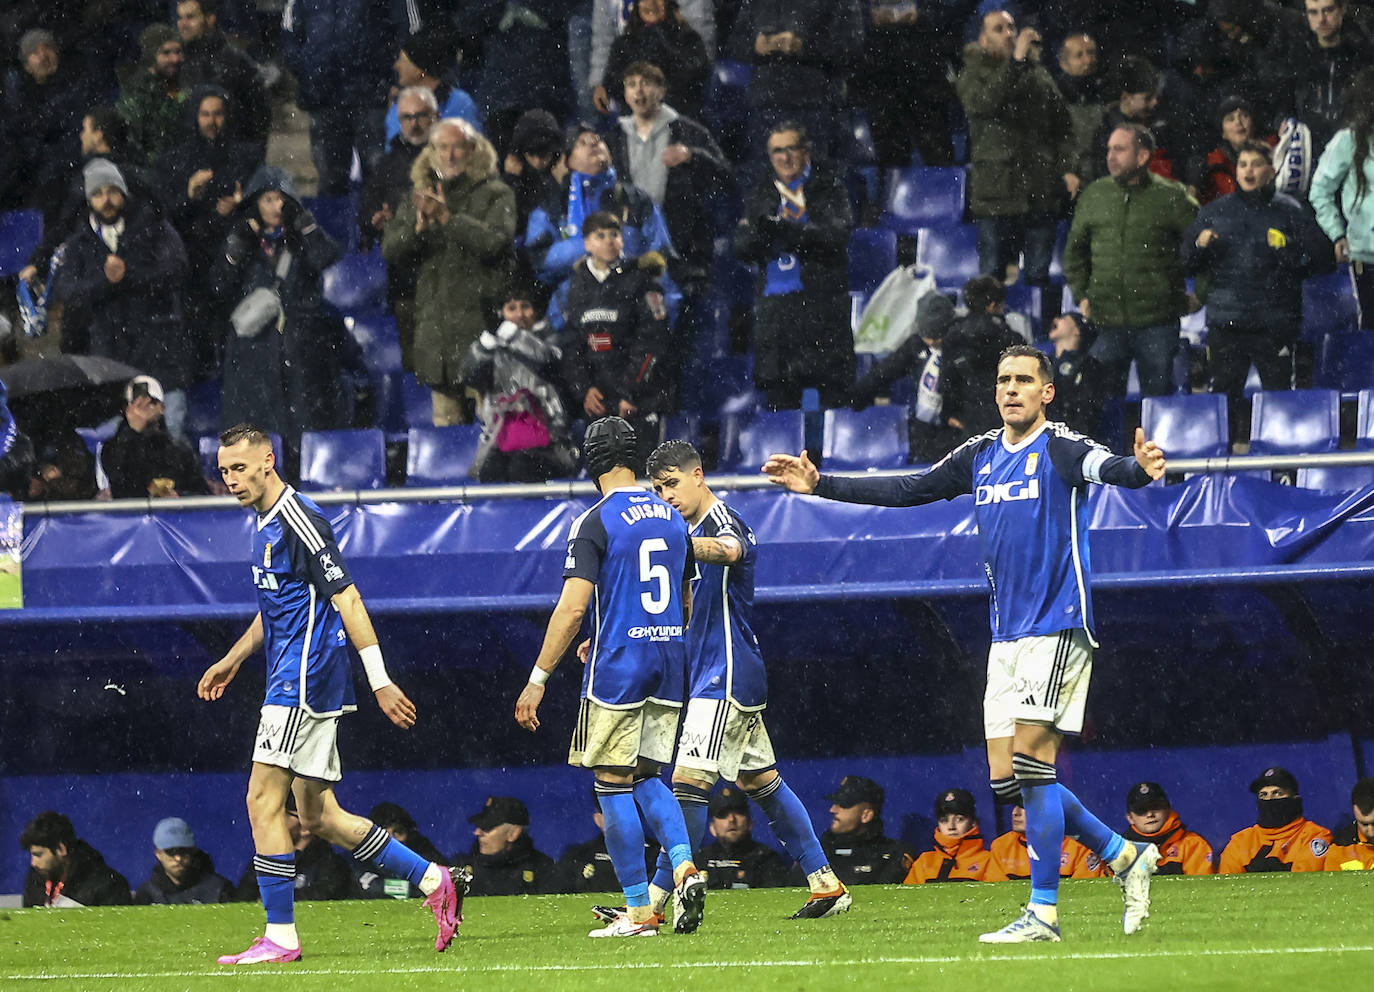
1008, 492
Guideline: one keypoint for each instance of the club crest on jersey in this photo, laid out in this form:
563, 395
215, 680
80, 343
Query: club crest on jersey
1032, 462
1008, 492
267, 555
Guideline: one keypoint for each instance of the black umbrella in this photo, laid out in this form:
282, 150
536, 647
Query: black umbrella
84, 373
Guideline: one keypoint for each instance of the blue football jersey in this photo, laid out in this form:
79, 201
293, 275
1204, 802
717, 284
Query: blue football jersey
297, 569
1031, 507
635, 548
723, 657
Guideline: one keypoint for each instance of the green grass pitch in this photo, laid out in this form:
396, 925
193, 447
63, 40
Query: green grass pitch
1303, 932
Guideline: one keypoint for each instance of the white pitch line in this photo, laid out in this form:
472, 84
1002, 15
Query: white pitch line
235, 973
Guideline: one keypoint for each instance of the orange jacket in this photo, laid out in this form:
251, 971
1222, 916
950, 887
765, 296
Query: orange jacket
1181, 851
1011, 860
962, 859
1297, 846
1350, 857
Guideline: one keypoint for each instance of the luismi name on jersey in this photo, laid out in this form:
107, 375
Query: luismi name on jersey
1008, 492
638, 511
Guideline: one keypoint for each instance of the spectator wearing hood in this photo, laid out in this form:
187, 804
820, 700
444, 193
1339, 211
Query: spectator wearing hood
211, 60
1250, 252
460, 218
1282, 839
503, 859
121, 284
65, 871
143, 460
657, 32
920, 356
184, 874
1153, 820
959, 854
426, 61
1078, 74
286, 377
1321, 66
534, 165
152, 100
1215, 176
553, 238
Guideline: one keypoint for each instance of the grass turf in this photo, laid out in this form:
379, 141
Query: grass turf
1310, 932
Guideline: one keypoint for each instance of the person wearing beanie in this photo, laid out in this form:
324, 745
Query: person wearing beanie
1237, 124
959, 854
1250, 252
184, 874
123, 276
1153, 821
1282, 839
152, 100
427, 60
211, 60
533, 166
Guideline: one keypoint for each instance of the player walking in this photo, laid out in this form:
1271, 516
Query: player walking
1029, 479
307, 607
630, 555
723, 735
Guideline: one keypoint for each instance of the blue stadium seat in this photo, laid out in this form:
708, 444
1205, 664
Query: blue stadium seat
859, 439
1328, 305
1346, 362
924, 196
951, 253
683, 427
338, 215
209, 454
343, 460
377, 336
872, 255
20, 232
727, 105
441, 456
747, 441
1336, 478
356, 283
402, 403
203, 404
1285, 422
1189, 425
1364, 420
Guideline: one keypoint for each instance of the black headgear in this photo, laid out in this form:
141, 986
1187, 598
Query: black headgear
609, 443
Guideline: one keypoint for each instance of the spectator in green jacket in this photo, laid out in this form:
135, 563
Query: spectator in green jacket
1122, 263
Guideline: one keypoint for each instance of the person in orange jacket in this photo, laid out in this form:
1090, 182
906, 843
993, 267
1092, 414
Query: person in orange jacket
1282, 839
960, 854
1353, 848
1154, 821
1010, 857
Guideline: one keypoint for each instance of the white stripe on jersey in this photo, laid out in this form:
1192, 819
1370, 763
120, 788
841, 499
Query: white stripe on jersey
721, 515
294, 515
977, 439
1078, 564
305, 645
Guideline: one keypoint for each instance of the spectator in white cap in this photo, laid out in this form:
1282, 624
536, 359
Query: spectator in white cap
142, 459
184, 873
123, 277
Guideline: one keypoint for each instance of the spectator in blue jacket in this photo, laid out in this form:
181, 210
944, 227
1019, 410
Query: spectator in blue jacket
426, 60
1250, 251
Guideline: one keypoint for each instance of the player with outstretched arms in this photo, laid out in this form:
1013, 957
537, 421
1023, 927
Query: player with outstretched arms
630, 560
1029, 481
308, 608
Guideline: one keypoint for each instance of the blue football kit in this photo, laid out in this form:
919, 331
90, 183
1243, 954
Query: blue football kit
297, 569
723, 656
1031, 506
634, 547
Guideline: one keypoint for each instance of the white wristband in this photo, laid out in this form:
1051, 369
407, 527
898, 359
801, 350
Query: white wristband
374, 667
539, 676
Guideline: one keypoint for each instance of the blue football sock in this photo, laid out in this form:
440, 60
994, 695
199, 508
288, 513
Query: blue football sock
1044, 825
1091, 832
664, 818
789, 820
390, 855
624, 841
277, 885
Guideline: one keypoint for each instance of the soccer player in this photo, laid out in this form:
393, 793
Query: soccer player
307, 607
723, 735
631, 555
1029, 479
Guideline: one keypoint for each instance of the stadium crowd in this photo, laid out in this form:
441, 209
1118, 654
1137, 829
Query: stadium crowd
66, 870
558, 187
